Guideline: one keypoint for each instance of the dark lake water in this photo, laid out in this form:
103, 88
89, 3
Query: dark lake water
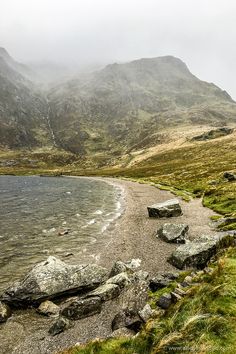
35, 210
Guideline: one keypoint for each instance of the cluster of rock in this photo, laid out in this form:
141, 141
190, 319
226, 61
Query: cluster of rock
181, 289
213, 134
90, 285
194, 254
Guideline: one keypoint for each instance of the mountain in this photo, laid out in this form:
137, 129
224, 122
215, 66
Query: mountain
102, 115
127, 106
23, 109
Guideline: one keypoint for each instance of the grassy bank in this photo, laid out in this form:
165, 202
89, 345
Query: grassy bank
202, 322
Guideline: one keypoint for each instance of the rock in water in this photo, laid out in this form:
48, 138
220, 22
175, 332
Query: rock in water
166, 209
53, 278
173, 232
5, 312
81, 308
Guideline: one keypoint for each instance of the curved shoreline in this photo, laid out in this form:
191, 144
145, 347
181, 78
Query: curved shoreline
131, 236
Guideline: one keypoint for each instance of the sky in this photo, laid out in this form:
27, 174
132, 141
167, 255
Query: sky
96, 32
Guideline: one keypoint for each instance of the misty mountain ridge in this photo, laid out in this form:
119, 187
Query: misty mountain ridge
121, 108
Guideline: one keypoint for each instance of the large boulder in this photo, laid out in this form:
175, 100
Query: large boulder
198, 253
175, 233
77, 308
5, 312
53, 278
166, 209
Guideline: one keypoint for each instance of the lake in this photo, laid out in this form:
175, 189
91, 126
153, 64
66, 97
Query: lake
61, 216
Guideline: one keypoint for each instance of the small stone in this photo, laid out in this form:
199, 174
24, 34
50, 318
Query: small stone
179, 291
48, 308
5, 312
122, 332
139, 276
188, 279
127, 318
165, 301
59, 326
171, 275
208, 270
121, 267
159, 283
145, 313
62, 232
120, 279
230, 176
175, 297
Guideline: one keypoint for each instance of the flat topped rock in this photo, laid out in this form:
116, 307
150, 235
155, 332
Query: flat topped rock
169, 208
175, 233
53, 278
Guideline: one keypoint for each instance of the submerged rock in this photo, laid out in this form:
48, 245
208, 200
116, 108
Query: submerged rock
5, 312
175, 233
80, 308
167, 209
53, 278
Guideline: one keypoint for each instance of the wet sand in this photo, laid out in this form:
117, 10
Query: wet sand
131, 236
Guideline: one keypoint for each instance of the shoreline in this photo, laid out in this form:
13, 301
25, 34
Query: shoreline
132, 235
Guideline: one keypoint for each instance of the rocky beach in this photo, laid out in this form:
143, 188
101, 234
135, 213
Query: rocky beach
132, 241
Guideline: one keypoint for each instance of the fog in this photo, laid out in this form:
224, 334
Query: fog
91, 33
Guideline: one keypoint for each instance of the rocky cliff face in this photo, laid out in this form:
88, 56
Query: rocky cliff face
122, 108
23, 110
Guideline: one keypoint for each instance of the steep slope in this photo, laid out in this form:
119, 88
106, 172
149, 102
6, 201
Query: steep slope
23, 110
126, 107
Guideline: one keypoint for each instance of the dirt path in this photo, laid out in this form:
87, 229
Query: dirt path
133, 236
